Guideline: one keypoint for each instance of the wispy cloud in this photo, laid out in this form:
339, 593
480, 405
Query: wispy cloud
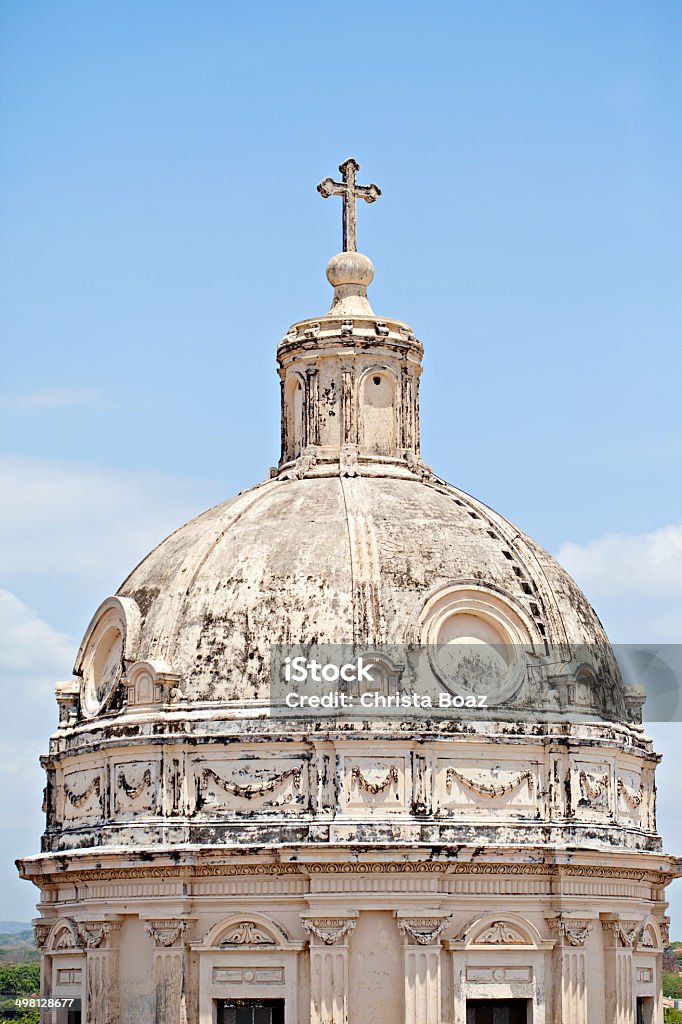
627, 565
71, 521
47, 399
28, 645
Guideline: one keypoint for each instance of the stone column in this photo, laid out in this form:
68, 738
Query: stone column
619, 937
329, 968
421, 966
102, 993
170, 1003
570, 969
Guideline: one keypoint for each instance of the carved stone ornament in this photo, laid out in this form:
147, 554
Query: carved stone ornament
573, 931
166, 933
625, 932
500, 933
80, 799
630, 932
256, 788
68, 936
300, 468
348, 460
247, 933
381, 328
664, 925
490, 791
41, 930
593, 787
423, 930
94, 933
631, 796
419, 468
329, 929
133, 791
374, 787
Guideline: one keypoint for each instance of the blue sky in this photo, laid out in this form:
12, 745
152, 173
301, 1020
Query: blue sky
161, 230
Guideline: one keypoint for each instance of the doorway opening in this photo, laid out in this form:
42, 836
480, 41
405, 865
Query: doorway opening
645, 1010
498, 1011
251, 1011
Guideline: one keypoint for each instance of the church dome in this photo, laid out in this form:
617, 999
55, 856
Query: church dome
352, 539
330, 559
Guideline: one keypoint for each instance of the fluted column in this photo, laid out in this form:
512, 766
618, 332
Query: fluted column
329, 968
570, 969
102, 994
169, 970
421, 966
619, 937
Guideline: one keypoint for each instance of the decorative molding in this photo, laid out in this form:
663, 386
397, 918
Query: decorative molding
252, 789
593, 787
501, 933
65, 935
247, 933
631, 797
573, 931
490, 791
329, 929
627, 932
79, 799
41, 930
167, 932
348, 460
374, 787
94, 933
424, 931
132, 792
300, 468
170, 871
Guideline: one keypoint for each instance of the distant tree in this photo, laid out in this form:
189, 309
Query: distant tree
20, 979
672, 985
671, 1016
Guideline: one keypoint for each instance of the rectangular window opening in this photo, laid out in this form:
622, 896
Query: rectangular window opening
250, 1011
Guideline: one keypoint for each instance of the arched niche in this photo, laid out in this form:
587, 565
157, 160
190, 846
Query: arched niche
294, 399
378, 416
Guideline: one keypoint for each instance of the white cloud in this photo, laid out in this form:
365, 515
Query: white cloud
54, 398
66, 520
28, 645
622, 564
33, 655
635, 582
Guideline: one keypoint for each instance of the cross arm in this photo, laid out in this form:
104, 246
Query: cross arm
329, 187
368, 192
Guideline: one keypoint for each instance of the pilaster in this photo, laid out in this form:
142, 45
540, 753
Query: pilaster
169, 970
421, 966
102, 998
570, 968
329, 967
618, 937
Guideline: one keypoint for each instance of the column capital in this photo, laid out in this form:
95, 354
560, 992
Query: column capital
421, 930
96, 934
572, 931
166, 932
621, 931
329, 930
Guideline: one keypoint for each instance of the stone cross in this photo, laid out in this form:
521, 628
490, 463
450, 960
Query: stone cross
350, 192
